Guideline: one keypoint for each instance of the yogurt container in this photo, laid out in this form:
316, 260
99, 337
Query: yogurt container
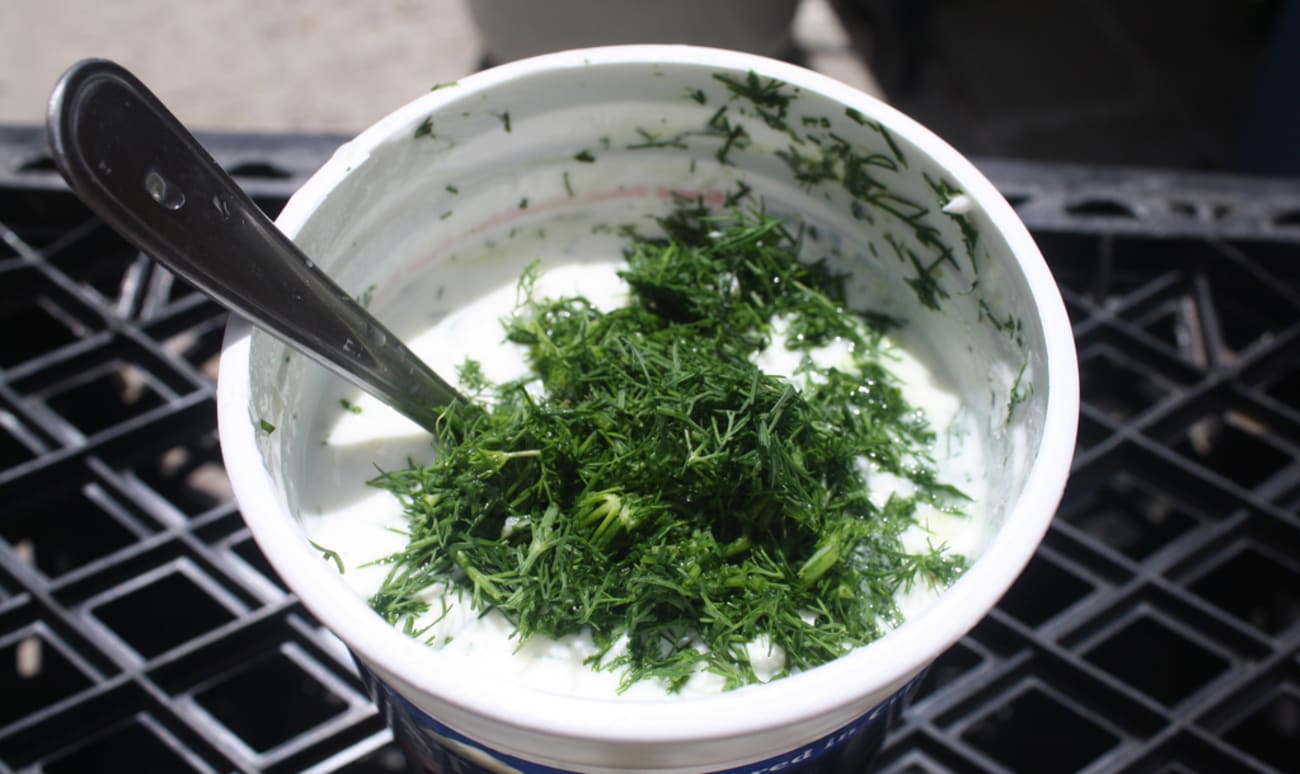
557, 154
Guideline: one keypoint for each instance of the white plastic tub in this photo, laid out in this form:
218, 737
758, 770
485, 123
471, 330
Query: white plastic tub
545, 139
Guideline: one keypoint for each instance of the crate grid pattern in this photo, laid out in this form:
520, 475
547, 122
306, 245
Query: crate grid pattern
1157, 628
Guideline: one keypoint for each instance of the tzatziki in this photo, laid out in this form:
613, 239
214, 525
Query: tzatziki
361, 528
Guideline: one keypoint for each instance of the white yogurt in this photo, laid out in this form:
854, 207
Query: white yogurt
362, 525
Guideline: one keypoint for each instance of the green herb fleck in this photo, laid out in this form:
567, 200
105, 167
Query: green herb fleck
367, 295
584, 156
926, 282
1011, 327
697, 95
505, 119
734, 135
451, 189
889, 140
523, 203
734, 198
444, 85
568, 184
944, 193
265, 426
767, 95
329, 555
349, 406
653, 140
1020, 392
471, 378
425, 129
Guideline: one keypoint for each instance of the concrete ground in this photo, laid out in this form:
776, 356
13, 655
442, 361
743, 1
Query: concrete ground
279, 65
1192, 84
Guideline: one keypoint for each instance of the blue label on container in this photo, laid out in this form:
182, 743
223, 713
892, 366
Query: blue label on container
432, 745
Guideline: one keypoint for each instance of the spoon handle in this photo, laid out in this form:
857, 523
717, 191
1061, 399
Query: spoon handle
132, 162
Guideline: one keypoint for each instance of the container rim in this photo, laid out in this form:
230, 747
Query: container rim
885, 664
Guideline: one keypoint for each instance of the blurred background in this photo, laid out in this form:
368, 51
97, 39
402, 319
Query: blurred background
1188, 84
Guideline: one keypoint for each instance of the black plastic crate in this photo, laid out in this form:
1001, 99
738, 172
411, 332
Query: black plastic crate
1157, 629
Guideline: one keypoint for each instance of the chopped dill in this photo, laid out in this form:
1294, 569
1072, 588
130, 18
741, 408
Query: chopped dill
944, 193
1019, 392
1011, 327
470, 375
769, 99
734, 198
735, 137
329, 555
649, 484
425, 129
584, 156
654, 140
349, 406
889, 140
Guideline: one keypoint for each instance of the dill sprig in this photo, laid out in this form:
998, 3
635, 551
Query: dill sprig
660, 491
